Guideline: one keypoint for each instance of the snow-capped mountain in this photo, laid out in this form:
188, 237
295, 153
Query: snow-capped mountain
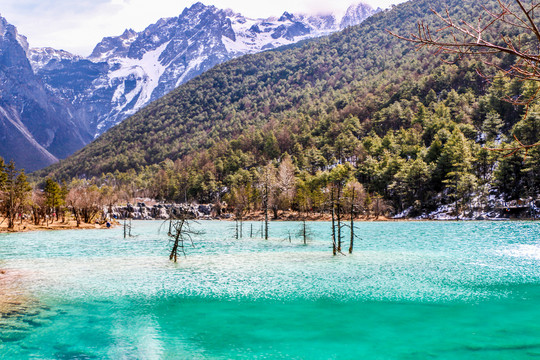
52, 102
125, 73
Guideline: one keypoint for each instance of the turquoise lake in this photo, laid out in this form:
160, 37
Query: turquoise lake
411, 290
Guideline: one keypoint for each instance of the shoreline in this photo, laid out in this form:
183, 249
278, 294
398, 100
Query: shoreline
27, 226
297, 216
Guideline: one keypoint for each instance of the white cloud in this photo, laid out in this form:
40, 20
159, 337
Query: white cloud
78, 25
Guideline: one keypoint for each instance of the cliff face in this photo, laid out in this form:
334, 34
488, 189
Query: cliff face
36, 128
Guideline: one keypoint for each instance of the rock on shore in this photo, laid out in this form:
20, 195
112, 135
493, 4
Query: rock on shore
141, 211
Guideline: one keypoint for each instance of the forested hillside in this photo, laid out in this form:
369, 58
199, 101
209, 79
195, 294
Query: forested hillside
409, 127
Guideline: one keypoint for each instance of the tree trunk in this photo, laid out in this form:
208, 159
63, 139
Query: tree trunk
266, 211
11, 218
351, 245
304, 231
338, 204
334, 248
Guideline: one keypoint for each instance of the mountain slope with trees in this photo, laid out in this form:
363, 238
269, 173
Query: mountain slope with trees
410, 127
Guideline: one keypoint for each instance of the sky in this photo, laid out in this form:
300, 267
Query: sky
78, 25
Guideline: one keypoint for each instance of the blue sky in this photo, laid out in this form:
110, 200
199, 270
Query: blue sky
78, 25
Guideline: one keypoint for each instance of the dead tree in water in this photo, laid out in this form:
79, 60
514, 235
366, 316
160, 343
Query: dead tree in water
338, 177
127, 227
354, 196
265, 203
304, 231
338, 208
180, 232
267, 181
351, 244
332, 204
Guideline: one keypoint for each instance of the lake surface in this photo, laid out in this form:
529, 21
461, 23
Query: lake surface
411, 290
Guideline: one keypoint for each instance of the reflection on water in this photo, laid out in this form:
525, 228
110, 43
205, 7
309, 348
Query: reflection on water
411, 290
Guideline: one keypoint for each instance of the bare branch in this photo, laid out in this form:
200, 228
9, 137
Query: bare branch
463, 38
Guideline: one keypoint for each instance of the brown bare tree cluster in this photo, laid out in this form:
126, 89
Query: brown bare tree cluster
50, 201
85, 203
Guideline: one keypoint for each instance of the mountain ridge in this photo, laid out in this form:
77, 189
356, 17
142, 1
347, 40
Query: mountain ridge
173, 50
127, 72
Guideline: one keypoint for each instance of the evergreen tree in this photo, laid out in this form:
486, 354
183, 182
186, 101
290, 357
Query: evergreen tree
53, 196
15, 193
492, 126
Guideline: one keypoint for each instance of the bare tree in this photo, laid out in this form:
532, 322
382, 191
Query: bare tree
239, 199
285, 185
84, 202
355, 196
267, 180
338, 177
38, 206
180, 232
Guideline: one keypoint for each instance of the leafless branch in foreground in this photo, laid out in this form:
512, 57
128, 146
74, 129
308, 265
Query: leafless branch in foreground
462, 38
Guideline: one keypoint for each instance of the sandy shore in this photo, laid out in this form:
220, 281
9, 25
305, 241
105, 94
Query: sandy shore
56, 225
70, 224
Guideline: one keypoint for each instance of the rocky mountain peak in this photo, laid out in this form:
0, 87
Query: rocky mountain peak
36, 128
128, 34
355, 14
197, 9
114, 45
8, 30
286, 17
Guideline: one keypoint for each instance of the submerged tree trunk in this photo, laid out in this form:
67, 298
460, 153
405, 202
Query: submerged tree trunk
338, 205
181, 232
178, 241
351, 245
304, 231
334, 248
266, 211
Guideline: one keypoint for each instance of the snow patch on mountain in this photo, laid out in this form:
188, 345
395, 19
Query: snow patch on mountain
148, 70
194, 64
